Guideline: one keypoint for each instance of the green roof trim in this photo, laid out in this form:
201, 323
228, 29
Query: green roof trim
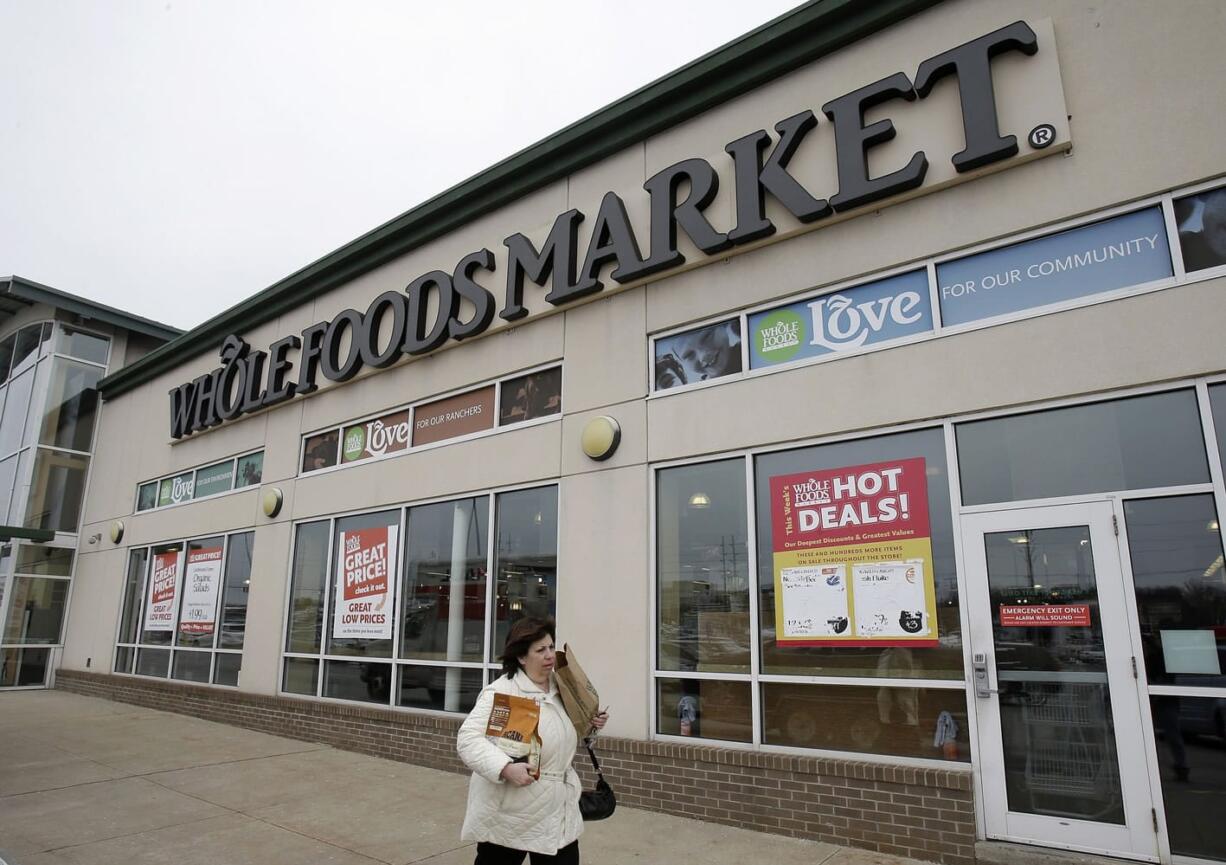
29, 292
792, 40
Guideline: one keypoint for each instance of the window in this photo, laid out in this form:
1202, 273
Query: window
1201, 219
184, 609
536, 395
856, 583
1125, 444
56, 490
697, 355
80, 344
211, 480
396, 607
72, 403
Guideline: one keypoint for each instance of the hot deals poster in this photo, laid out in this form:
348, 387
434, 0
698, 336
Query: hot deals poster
163, 590
852, 551
364, 599
201, 581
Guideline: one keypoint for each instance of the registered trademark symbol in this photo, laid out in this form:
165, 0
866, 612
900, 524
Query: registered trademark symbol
1042, 135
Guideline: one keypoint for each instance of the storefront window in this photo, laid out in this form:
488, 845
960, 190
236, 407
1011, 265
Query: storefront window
899, 722
1136, 443
6, 356
171, 598
129, 620
526, 559
443, 689
1217, 404
362, 591
531, 396
701, 354
1188, 737
431, 584
709, 708
850, 575
25, 351
443, 614
72, 403
1176, 549
306, 595
197, 622
238, 584
702, 568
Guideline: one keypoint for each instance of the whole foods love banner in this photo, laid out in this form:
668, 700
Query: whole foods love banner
852, 553
365, 567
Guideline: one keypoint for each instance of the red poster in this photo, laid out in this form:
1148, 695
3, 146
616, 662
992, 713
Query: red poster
1045, 615
366, 562
852, 553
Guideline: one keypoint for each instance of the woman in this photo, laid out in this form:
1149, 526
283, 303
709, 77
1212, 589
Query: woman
509, 812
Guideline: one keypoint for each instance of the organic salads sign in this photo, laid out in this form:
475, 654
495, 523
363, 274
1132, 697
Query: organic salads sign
852, 553
844, 321
163, 591
203, 579
364, 602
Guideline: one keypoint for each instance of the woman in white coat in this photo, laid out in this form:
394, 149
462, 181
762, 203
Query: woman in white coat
510, 813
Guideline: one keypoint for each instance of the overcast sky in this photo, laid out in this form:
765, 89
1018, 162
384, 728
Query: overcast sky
174, 158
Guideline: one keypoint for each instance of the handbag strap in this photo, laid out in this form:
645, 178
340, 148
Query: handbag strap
587, 743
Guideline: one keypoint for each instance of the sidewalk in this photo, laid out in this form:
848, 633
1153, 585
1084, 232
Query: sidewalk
90, 782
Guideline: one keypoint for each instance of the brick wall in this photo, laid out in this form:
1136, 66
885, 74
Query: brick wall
924, 813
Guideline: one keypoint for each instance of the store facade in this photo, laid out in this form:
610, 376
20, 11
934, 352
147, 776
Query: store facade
872, 465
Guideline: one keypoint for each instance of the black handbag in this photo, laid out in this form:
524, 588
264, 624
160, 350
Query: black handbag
596, 804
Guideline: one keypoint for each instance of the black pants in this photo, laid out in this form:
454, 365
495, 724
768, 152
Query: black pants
493, 854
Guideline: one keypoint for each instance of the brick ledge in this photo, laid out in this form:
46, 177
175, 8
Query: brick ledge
953, 778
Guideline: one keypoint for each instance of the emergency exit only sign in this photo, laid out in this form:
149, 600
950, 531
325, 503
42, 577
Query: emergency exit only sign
1045, 615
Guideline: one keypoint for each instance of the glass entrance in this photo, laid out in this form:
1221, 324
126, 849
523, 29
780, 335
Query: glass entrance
1055, 681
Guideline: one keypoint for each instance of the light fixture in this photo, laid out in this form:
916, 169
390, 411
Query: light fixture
600, 438
1020, 539
700, 500
536, 518
116, 531
271, 501
1213, 525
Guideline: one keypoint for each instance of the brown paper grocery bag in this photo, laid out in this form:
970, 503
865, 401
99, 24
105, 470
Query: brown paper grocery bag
578, 696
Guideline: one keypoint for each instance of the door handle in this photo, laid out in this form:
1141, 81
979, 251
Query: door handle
979, 669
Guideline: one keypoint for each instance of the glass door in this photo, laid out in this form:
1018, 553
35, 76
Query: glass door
1055, 681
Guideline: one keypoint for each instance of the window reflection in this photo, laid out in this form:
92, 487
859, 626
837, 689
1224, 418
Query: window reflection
1175, 546
703, 568
443, 616
526, 559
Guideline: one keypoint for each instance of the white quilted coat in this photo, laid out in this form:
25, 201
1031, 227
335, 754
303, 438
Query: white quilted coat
542, 817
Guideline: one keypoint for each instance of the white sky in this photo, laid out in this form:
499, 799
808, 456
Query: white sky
173, 158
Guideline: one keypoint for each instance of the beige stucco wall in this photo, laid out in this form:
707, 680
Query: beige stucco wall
1133, 76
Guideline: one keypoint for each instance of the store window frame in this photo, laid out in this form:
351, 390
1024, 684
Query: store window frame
939, 330
172, 647
489, 666
496, 427
1216, 485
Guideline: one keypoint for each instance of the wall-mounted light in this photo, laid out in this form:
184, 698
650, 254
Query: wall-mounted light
700, 500
600, 438
117, 531
271, 501
94, 538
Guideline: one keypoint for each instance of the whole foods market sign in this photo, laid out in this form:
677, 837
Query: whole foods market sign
441, 306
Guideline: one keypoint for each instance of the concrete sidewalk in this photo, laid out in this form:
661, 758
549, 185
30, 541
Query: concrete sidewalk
91, 782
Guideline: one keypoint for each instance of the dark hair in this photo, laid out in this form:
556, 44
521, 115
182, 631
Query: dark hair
522, 635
